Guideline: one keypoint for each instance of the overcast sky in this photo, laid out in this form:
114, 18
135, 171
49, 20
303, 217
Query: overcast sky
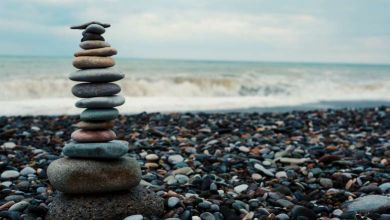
355, 31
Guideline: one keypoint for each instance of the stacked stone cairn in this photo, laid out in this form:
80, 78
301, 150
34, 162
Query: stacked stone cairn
95, 179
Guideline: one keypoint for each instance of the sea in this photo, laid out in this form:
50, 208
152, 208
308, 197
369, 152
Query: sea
40, 86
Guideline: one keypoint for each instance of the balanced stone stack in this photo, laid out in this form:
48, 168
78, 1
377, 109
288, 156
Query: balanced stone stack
95, 178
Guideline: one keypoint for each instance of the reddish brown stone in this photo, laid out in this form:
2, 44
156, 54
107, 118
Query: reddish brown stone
82, 136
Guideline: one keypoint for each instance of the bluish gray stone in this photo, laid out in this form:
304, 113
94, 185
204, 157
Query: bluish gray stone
97, 75
101, 102
93, 44
369, 203
99, 114
89, 90
106, 150
95, 28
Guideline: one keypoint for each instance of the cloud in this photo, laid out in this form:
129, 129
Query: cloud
254, 30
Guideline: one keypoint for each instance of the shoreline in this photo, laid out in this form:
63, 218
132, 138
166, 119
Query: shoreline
64, 106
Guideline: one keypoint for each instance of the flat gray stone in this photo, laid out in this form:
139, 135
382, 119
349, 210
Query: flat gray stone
88, 90
369, 203
100, 150
85, 25
80, 176
101, 102
93, 44
96, 75
100, 52
95, 28
113, 206
93, 114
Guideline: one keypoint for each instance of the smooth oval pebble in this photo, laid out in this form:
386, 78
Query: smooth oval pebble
83, 136
107, 150
93, 176
93, 44
91, 36
96, 75
95, 125
95, 28
91, 62
100, 52
101, 102
89, 90
99, 114
85, 25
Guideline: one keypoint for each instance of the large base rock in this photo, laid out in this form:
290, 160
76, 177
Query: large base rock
77, 176
106, 206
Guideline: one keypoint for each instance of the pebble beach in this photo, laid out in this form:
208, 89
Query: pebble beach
325, 164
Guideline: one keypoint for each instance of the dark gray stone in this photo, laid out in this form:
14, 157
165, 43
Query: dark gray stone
79, 176
99, 114
88, 90
113, 206
85, 25
101, 102
95, 29
300, 212
104, 150
97, 75
90, 36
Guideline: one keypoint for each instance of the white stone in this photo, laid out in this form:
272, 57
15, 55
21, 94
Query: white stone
152, 157
241, 188
281, 174
9, 145
134, 217
259, 167
175, 159
9, 174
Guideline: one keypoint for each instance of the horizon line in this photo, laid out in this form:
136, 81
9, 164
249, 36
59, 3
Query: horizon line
213, 60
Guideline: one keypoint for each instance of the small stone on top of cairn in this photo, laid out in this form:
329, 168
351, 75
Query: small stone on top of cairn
95, 179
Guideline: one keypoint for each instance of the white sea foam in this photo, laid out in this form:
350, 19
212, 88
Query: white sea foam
194, 86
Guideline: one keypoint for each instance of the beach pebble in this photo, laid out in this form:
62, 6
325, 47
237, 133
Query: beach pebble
82, 136
369, 203
95, 125
100, 150
207, 216
91, 62
173, 201
89, 90
241, 188
95, 28
385, 186
10, 174
262, 169
300, 212
20, 206
93, 176
99, 52
85, 25
256, 176
244, 149
326, 182
281, 174
9, 145
91, 36
27, 170
93, 44
293, 160
175, 159
134, 217
99, 114
96, 75
282, 216
151, 157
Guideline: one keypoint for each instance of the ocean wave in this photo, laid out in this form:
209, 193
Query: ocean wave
310, 88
